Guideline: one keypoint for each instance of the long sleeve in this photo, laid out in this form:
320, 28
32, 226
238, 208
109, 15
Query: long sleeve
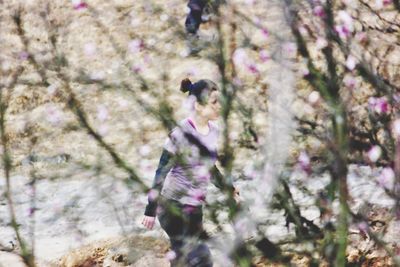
164, 166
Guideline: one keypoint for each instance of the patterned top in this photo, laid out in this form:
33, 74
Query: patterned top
195, 155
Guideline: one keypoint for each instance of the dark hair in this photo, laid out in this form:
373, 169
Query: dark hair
200, 89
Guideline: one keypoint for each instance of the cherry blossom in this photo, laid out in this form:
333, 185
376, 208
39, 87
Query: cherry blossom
374, 153
240, 57
264, 55
314, 97
90, 49
152, 195
363, 227
321, 43
351, 62
23, 55
386, 178
54, 115
379, 105
51, 89
319, 11
396, 128
79, 4
170, 255
265, 32
345, 24
304, 162
136, 46
136, 68
144, 150
252, 68
379, 4
349, 81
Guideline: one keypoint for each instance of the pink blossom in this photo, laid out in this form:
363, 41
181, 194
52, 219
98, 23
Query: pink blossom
103, 130
136, 46
290, 47
197, 194
136, 68
379, 105
396, 97
374, 153
346, 19
164, 17
90, 49
303, 31
152, 195
79, 4
396, 128
253, 68
349, 81
304, 162
265, 32
144, 150
31, 211
237, 81
363, 227
250, 2
264, 55
147, 59
188, 209
351, 62
250, 172
361, 37
343, 31
386, 178
319, 11
51, 89
54, 115
23, 55
240, 57
314, 97
102, 113
321, 43
170, 255
304, 70
381, 3
123, 103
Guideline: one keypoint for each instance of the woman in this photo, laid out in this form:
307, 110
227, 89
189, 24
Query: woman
186, 166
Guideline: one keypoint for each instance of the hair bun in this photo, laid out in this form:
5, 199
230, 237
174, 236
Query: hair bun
186, 85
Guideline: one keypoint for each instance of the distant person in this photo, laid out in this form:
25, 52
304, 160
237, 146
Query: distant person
194, 18
186, 167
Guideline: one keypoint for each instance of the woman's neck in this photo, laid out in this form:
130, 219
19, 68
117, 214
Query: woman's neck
201, 124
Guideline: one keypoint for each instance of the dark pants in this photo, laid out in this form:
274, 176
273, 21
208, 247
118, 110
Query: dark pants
193, 19
184, 226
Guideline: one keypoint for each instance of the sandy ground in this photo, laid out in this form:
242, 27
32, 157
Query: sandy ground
73, 213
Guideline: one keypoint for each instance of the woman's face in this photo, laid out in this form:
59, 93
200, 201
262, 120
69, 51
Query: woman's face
212, 109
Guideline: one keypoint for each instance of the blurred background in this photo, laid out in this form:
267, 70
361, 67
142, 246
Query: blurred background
309, 129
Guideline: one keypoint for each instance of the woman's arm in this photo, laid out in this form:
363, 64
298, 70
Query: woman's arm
164, 166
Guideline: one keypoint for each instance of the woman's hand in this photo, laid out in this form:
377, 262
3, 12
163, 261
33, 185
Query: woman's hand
148, 222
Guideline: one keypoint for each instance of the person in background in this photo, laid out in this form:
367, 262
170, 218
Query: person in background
194, 18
